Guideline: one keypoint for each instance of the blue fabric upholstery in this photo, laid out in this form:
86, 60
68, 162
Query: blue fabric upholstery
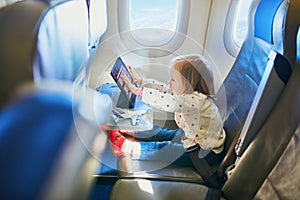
32, 132
240, 86
264, 18
242, 81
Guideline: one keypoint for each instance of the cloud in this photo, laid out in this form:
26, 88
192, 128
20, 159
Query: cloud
151, 10
154, 18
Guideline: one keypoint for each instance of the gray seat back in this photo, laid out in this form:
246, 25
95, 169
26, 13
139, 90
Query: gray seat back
54, 151
264, 151
241, 84
42, 40
268, 145
19, 22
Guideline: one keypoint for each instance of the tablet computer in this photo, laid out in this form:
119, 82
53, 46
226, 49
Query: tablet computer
117, 71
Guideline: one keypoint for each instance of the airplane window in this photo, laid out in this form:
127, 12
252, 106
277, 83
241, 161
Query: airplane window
241, 22
153, 28
153, 22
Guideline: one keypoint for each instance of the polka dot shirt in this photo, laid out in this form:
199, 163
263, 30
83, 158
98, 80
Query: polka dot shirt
195, 113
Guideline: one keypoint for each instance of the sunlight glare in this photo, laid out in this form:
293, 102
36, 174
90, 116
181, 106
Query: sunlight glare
146, 186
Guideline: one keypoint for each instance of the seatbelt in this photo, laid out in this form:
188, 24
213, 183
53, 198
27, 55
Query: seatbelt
204, 169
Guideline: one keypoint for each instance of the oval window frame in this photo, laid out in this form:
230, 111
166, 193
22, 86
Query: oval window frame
230, 43
158, 49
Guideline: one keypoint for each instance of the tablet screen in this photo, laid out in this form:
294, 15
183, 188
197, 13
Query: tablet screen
117, 71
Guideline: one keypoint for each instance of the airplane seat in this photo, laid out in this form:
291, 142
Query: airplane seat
19, 22
62, 40
284, 177
57, 43
273, 153
239, 89
42, 39
50, 142
242, 85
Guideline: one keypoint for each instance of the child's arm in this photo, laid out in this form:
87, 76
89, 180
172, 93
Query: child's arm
170, 102
150, 83
135, 90
166, 101
137, 79
157, 85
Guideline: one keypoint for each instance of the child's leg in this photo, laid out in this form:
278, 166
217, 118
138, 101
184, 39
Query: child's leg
166, 151
159, 134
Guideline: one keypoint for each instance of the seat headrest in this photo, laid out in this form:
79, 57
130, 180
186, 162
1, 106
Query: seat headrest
264, 18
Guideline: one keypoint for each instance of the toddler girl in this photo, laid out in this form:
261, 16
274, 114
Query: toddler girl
189, 97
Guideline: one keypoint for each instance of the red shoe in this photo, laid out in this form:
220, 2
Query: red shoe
116, 142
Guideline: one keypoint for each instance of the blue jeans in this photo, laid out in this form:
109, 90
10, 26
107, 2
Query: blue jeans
165, 145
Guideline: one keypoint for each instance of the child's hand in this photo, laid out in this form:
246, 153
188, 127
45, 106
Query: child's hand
131, 87
136, 77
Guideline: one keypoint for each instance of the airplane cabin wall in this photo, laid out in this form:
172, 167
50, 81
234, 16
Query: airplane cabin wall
204, 36
214, 42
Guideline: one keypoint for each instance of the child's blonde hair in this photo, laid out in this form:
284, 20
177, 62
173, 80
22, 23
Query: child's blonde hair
196, 71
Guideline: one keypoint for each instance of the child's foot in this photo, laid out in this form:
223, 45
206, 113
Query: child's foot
116, 141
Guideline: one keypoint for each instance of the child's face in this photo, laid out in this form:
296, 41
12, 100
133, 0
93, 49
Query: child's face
176, 82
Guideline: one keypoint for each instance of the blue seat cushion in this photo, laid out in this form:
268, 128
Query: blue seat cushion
32, 133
